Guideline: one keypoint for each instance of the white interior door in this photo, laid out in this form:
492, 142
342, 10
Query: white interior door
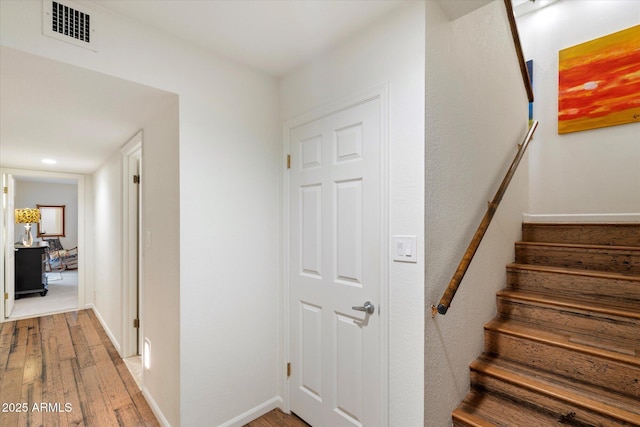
336, 243
9, 249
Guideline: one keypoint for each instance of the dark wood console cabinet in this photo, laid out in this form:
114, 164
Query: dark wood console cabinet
30, 274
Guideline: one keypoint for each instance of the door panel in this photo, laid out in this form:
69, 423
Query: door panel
349, 368
348, 236
311, 230
335, 213
311, 336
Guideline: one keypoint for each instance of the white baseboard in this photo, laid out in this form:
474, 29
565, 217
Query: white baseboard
254, 413
154, 407
152, 404
579, 218
112, 337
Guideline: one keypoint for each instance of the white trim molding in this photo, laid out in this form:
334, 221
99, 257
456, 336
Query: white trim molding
154, 408
131, 153
254, 413
582, 218
83, 264
112, 337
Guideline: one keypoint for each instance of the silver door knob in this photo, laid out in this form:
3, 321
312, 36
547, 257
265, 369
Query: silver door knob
367, 308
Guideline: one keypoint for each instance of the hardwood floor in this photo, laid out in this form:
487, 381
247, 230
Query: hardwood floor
62, 370
277, 418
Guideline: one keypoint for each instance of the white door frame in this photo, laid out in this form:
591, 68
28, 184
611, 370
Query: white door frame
7, 270
82, 262
131, 248
380, 93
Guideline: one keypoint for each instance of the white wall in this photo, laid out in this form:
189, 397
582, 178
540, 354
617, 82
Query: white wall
476, 114
391, 51
589, 172
30, 194
107, 279
228, 162
161, 252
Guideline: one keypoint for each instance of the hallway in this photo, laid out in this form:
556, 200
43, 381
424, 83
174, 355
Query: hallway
63, 370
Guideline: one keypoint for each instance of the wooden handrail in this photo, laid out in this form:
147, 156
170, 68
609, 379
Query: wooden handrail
450, 292
516, 41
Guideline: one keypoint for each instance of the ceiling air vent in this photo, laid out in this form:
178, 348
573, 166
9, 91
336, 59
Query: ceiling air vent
69, 22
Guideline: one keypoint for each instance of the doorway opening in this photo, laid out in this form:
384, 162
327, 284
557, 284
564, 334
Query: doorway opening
63, 285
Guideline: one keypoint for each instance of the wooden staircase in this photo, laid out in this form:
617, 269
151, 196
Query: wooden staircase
565, 345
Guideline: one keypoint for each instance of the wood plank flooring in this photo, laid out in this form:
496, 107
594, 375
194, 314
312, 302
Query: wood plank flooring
277, 418
62, 370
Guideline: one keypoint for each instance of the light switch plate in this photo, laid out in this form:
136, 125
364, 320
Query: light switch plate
405, 249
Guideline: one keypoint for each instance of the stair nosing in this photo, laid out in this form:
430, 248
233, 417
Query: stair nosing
559, 340
468, 418
553, 391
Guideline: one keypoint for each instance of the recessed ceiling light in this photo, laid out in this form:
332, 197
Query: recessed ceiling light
49, 161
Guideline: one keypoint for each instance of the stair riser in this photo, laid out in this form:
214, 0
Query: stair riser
543, 402
596, 288
615, 261
588, 234
588, 368
578, 321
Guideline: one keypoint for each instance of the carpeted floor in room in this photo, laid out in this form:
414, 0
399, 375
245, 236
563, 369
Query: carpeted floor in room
62, 296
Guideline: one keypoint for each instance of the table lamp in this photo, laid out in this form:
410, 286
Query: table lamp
27, 216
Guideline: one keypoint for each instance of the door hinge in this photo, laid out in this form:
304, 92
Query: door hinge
136, 323
288, 161
5, 190
6, 295
136, 179
288, 369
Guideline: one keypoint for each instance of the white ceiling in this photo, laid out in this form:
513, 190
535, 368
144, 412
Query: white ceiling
75, 116
80, 118
274, 36
454, 9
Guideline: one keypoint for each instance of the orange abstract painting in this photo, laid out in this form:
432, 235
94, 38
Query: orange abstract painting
599, 82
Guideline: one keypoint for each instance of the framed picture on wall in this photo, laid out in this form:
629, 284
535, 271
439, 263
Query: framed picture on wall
599, 82
51, 221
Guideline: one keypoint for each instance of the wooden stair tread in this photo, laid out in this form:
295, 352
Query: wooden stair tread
499, 410
555, 391
604, 396
574, 271
622, 309
555, 339
466, 419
